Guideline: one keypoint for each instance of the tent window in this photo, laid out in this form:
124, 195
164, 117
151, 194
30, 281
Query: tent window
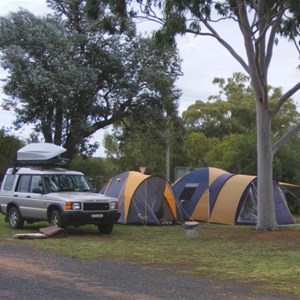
249, 210
188, 192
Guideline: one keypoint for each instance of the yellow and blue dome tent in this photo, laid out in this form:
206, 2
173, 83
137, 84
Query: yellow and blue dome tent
216, 196
143, 199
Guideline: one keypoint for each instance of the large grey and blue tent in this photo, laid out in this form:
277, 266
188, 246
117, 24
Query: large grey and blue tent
214, 195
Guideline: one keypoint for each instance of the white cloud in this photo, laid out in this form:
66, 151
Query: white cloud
38, 7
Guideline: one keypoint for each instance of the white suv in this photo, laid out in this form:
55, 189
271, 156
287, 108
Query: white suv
57, 195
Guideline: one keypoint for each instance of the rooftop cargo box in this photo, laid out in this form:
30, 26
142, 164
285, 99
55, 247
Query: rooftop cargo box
41, 154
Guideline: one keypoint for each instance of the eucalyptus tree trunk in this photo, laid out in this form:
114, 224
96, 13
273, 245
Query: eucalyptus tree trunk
266, 219
259, 56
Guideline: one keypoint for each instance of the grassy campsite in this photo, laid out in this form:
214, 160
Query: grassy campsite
267, 260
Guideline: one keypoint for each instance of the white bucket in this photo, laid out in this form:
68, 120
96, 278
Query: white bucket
191, 230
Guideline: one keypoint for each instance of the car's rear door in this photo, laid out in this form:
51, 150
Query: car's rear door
29, 196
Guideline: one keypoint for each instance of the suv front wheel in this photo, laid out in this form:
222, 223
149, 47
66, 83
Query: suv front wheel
15, 219
106, 228
56, 219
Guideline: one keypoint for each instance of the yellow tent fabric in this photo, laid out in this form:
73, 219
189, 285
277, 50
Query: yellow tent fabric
228, 199
168, 193
201, 211
214, 173
132, 182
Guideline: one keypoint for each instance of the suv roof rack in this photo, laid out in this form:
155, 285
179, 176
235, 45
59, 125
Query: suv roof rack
54, 162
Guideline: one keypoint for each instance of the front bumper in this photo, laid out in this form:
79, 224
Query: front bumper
78, 218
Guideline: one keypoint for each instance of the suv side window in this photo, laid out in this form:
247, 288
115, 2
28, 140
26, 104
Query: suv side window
36, 184
9, 182
23, 183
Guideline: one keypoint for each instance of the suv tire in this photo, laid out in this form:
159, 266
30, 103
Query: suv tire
15, 219
56, 219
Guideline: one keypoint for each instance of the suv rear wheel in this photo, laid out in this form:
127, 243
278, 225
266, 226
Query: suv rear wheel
15, 219
56, 219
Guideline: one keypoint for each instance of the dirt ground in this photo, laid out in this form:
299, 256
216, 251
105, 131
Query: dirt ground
278, 235
287, 239
29, 273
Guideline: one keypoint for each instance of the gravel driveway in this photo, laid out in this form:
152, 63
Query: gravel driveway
28, 273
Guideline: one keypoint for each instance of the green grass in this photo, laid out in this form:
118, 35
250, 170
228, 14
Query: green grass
270, 260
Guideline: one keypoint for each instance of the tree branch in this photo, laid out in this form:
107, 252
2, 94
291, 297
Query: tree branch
225, 44
274, 29
285, 138
284, 98
248, 39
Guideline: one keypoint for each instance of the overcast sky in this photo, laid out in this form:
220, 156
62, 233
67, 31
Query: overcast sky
203, 59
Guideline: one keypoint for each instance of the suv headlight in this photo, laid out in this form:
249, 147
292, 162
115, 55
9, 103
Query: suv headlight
114, 205
73, 205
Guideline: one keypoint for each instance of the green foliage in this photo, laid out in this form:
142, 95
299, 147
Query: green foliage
182, 16
142, 148
236, 153
97, 170
75, 72
198, 147
290, 26
232, 111
144, 139
286, 162
286, 117
9, 145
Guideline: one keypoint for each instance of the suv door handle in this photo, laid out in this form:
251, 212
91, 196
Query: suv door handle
16, 195
28, 196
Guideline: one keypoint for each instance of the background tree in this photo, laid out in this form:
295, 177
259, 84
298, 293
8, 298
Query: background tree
286, 163
260, 24
79, 71
151, 138
231, 111
98, 170
235, 153
197, 147
221, 133
9, 145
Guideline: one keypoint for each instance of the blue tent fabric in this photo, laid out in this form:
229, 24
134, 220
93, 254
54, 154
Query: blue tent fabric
113, 187
189, 189
282, 213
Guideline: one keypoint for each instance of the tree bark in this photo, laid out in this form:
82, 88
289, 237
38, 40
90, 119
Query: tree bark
266, 219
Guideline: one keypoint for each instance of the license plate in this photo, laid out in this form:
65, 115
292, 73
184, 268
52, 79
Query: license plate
97, 216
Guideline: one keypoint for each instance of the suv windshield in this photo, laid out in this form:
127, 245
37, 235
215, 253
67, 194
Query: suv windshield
62, 183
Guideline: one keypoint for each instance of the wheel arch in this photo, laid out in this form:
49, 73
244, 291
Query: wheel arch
9, 206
